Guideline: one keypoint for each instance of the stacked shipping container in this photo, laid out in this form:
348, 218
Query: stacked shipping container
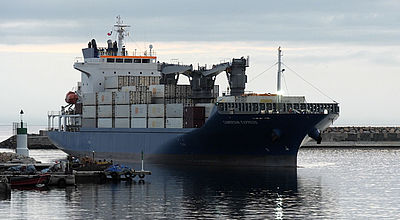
139, 116
156, 114
117, 82
193, 117
105, 101
174, 116
89, 110
171, 94
141, 102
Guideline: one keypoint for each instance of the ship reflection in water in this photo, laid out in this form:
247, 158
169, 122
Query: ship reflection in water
190, 192
199, 192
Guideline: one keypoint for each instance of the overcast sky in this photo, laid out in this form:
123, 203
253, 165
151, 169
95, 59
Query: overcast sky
348, 49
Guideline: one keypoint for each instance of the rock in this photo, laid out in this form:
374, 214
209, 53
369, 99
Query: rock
8, 157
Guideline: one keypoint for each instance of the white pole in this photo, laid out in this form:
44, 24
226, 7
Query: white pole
48, 122
59, 122
65, 123
279, 72
142, 162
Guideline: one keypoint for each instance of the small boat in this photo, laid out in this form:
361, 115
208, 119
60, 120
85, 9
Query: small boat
118, 172
29, 180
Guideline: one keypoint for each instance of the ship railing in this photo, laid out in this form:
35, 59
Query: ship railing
277, 108
104, 51
59, 121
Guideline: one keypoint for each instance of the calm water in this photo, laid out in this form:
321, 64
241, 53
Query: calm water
329, 183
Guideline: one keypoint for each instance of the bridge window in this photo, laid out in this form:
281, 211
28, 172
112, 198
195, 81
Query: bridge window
119, 60
110, 60
128, 61
146, 61
137, 61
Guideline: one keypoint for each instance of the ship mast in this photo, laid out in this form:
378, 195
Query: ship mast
279, 78
120, 28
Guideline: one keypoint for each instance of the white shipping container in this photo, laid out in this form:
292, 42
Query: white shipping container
139, 123
111, 82
226, 99
174, 123
157, 90
104, 122
104, 111
207, 108
89, 111
139, 111
128, 88
121, 123
174, 110
89, 99
121, 111
155, 123
155, 110
122, 98
88, 122
104, 98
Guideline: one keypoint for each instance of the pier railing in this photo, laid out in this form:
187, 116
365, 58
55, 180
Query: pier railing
277, 108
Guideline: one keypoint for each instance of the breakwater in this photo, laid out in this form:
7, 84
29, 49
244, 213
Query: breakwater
358, 137
35, 141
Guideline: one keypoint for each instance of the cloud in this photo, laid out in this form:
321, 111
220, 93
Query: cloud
304, 20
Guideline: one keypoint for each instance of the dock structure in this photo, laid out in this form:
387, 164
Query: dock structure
102, 177
65, 173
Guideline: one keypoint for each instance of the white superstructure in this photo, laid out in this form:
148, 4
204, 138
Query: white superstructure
113, 60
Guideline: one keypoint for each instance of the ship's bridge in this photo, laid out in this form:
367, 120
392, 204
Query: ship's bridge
128, 59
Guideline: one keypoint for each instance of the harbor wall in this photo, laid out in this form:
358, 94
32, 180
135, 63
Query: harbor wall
35, 141
358, 137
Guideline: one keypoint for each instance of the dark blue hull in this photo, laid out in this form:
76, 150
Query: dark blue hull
225, 139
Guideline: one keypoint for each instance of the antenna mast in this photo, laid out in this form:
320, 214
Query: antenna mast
120, 28
279, 89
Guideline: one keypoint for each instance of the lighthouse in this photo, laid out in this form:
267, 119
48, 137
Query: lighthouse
22, 138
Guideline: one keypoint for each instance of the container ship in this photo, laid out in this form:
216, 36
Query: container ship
130, 106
